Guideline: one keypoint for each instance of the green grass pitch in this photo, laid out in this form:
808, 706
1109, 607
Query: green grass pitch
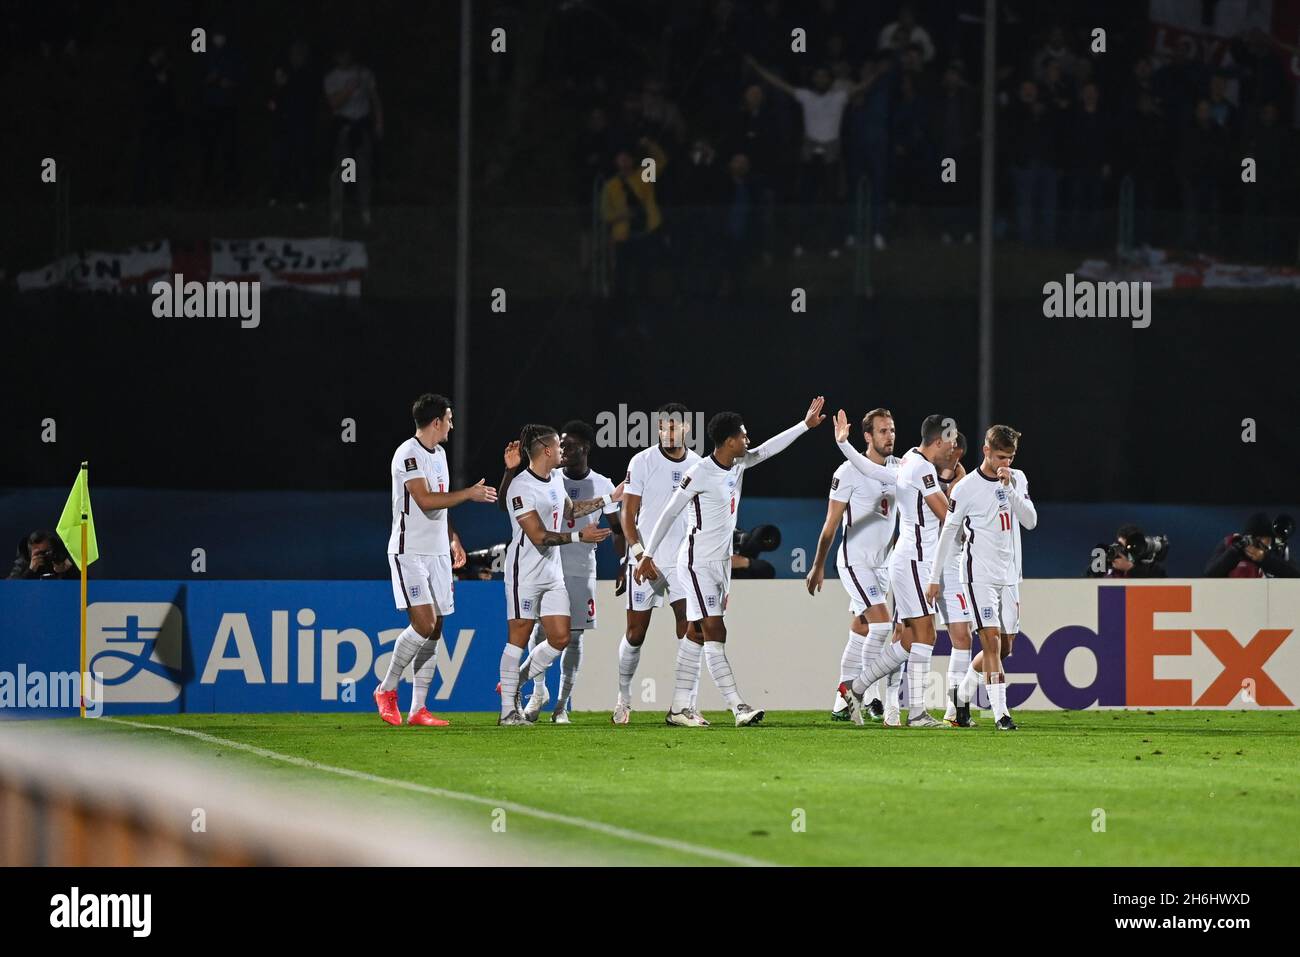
1175, 787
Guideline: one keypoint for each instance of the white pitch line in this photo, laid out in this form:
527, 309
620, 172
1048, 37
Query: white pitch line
597, 826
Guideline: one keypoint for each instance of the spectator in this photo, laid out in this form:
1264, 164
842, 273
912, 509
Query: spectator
698, 187
1056, 89
1090, 145
1180, 82
867, 133
292, 106
1202, 156
218, 124
630, 210
43, 555
905, 31
1263, 200
591, 155
1221, 108
1032, 135
1251, 554
953, 132
821, 178
756, 134
1147, 149
914, 165
353, 97
1142, 82
155, 96
663, 121
740, 226
1260, 72
1134, 558
1057, 49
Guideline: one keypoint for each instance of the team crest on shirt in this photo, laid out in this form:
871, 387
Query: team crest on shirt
573, 494
1002, 495
639, 595
711, 600
986, 613
929, 481
414, 590
410, 465
873, 592
677, 477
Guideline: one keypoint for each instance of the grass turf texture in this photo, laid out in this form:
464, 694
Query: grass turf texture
1177, 787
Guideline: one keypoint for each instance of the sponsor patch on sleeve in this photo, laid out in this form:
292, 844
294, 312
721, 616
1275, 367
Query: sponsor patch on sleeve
685, 482
410, 465
929, 481
835, 483
517, 503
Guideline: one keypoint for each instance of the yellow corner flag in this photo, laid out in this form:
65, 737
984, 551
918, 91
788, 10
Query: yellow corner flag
75, 512
77, 529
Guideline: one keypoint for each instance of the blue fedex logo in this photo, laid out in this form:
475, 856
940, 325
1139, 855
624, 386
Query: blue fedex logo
248, 646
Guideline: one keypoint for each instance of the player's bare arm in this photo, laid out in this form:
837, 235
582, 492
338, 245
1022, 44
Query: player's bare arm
881, 473
428, 500
512, 459
539, 536
817, 574
586, 506
458, 557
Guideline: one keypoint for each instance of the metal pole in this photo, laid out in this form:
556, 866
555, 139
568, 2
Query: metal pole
986, 217
460, 374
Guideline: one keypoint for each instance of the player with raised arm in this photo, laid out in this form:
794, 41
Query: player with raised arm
581, 482
952, 605
922, 507
985, 505
712, 488
653, 475
539, 506
423, 549
864, 510
1009, 619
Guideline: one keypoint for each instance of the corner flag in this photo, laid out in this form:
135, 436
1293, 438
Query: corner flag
75, 512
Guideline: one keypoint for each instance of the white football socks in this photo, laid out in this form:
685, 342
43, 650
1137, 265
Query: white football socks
969, 683
629, 656
695, 687
688, 669
570, 662
997, 687
715, 653
538, 661
426, 663
918, 670
958, 665
889, 659
851, 658
404, 649
509, 675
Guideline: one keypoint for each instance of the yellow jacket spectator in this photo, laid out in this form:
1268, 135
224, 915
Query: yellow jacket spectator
627, 201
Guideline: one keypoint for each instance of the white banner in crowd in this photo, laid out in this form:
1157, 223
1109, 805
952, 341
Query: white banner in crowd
317, 264
1090, 643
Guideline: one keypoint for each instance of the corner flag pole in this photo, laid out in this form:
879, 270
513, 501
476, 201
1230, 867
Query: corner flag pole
85, 481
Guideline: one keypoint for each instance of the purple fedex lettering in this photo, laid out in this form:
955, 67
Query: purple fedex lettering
1047, 662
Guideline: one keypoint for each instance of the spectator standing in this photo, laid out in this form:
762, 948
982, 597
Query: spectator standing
218, 125
292, 106
868, 137
159, 123
1264, 199
740, 225
1202, 157
953, 132
1090, 146
904, 32
631, 211
353, 97
1032, 139
1147, 149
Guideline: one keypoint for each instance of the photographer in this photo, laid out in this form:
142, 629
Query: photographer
1258, 552
1133, 554
42, 555
746, 546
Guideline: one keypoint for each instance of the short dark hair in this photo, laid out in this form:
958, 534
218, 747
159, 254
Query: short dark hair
532, 437
428, 407
675, 409
582, 430
1002, 437
723, 426
40, 536
1130, 534
869, 420
932, 427
1259, 525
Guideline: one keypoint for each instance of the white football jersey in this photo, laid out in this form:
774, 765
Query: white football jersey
869, 516
982, 507
710, 494
952, 579
416, 531
528, 492
654, 476
1021, 483
918, 530
579, 561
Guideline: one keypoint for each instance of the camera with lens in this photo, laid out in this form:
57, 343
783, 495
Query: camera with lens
759, 539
